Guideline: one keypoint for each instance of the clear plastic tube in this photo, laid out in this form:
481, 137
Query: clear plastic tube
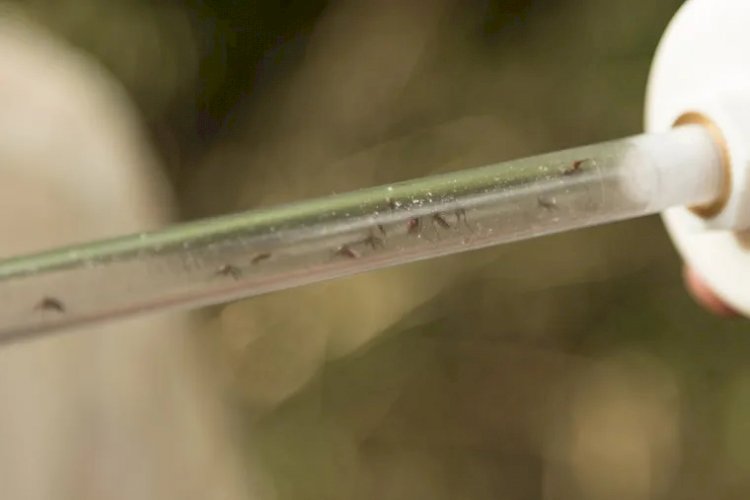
232, 257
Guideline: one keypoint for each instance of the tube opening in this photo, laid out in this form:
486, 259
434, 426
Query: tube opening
715, 207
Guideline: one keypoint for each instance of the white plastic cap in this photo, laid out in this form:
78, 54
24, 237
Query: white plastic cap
701, 73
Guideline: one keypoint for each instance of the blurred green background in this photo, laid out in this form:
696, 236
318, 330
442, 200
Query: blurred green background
569, 367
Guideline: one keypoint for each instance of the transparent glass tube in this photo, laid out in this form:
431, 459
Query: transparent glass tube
236, 256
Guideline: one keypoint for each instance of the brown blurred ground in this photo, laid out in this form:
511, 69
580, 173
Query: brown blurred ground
571, 367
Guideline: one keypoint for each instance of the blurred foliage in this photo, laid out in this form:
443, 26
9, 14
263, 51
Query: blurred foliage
565, 368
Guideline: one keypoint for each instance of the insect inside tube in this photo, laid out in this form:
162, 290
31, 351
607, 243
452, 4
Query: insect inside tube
546, 202
346, 251
229, 271
414, 226
373, 242
51, 304
461, 216
260, 258
439, 220
575, 168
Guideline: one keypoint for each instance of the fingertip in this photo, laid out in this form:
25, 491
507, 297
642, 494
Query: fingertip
705, 296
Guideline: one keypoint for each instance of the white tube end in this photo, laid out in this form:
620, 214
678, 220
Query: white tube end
701, 70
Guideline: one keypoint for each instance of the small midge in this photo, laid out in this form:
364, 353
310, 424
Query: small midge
575, 168
440, 221
546, 203
373, 242
51, 304
413, 226
229, 270
346, 251
261, 257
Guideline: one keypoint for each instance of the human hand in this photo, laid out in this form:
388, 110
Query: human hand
705, 296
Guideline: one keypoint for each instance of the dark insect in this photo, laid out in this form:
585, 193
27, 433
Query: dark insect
373, 242
461, 216
51, 304
381, 228
575, 168
230, 271
260, 258
346, 251
439, 220
414, 226
546, 203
